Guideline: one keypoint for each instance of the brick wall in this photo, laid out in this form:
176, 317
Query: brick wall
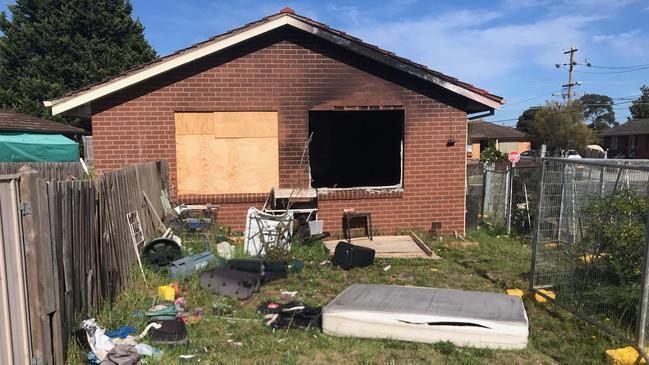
292, 73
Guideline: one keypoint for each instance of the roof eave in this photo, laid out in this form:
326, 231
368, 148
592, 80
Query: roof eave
79, 105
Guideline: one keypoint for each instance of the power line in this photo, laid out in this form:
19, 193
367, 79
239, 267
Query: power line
614, 72
531, 98
618, 67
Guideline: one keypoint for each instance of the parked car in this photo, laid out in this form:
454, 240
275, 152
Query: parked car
571, 154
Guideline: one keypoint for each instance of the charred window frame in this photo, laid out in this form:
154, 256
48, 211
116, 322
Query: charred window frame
356, 149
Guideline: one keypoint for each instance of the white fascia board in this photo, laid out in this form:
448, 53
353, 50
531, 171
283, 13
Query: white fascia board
63, 105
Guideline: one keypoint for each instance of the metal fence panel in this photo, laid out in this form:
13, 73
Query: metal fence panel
590, 242
495, 206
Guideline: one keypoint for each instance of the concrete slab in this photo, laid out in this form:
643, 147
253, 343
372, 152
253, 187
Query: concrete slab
387, 247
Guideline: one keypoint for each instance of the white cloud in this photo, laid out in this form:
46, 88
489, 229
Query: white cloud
465, 44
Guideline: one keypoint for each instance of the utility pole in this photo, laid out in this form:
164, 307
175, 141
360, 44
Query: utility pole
570, 69
571, 66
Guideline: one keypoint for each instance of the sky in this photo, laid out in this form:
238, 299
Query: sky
508, 47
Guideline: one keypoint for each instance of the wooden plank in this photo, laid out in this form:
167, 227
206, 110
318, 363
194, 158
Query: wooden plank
226, 166
421, 244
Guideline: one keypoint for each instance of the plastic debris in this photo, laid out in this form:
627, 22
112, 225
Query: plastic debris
167, 293
225, 250
387, 268
148, 350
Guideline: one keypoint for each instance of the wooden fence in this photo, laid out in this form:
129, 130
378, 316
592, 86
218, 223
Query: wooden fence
78, 247
49, 171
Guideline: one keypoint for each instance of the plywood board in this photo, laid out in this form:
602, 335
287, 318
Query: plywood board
228, 124
387, 247
226, 153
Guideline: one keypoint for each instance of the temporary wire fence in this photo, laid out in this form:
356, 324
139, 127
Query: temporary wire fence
509, 199
590, 245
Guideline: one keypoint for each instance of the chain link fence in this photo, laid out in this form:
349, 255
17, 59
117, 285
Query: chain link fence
589, 248
510, 199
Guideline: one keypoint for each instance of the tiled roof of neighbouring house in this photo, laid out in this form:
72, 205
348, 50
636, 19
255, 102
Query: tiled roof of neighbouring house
632, 127
481, 130
18, 122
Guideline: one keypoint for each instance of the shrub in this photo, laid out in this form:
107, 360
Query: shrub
491, 154
616, 232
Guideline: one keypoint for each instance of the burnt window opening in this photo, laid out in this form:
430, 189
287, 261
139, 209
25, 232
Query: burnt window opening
356, 148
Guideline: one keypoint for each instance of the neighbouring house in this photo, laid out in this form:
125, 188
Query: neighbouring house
630, 140
483, 134
24, 138
290, 102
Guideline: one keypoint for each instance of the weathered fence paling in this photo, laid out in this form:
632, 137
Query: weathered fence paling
78, 248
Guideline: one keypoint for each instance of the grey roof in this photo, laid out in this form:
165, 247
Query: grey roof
481, 130
632, 127
18, 122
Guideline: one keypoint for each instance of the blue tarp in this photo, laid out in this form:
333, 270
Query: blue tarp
34, 147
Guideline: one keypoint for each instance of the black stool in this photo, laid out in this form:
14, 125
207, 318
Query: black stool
357, 220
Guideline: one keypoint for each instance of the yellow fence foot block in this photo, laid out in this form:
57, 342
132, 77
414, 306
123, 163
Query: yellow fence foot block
624, 356
541, 299
516, 292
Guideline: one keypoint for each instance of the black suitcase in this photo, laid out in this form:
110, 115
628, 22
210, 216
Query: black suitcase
267, 269
347, 256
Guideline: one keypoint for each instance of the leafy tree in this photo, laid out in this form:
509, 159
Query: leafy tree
640, 107
50, 47
491, 154
526, 120
598, 111
561, 126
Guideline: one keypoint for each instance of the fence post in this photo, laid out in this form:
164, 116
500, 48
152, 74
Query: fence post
508, 198
538, 224
644, 299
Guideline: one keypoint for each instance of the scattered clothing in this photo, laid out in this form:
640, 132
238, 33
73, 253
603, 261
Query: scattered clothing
121, 332
122, 355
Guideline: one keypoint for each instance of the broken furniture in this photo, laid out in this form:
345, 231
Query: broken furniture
348, 256
388, 247
300, 202
357, 220
265, 230
231, 283
429, 315
197, 217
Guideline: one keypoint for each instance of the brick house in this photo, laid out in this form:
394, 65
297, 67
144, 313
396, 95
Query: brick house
630, 139
234, 115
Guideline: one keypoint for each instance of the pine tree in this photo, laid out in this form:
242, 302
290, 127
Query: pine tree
50, 47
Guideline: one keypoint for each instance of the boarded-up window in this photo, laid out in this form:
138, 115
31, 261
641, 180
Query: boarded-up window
226, 152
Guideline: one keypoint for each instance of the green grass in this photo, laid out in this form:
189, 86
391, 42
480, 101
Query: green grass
496, 264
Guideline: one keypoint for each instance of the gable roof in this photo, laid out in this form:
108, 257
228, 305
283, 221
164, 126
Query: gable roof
632, 127
77, 102
481, 130
18, 122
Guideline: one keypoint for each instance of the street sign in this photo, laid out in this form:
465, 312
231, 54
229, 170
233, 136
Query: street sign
514, 156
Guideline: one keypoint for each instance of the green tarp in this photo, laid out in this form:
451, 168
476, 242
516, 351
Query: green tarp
24, 147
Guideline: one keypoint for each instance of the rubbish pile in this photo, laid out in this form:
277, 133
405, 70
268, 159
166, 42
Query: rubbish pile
268, 239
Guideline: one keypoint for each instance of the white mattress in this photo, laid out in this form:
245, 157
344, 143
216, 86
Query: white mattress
465, 318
